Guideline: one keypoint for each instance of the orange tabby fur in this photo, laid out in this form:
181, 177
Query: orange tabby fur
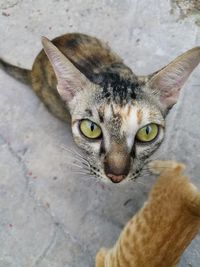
159, 233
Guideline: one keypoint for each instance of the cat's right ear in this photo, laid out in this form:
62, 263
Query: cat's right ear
167, 82
70, 79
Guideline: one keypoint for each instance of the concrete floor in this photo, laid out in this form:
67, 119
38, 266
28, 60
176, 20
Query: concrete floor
50, 216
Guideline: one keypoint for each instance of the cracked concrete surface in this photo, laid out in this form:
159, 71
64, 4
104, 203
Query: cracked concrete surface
51, 216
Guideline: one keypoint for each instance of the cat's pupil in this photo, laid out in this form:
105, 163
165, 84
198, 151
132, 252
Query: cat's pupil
92, 127
148, 130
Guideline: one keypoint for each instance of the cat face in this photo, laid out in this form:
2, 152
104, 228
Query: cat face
117, 135
119, 122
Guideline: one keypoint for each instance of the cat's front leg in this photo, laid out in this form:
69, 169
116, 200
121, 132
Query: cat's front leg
100, 258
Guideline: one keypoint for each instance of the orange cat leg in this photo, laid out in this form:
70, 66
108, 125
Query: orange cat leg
100, 258
159, 233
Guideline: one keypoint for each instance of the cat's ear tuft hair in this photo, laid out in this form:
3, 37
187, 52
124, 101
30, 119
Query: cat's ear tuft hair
168, 81
70, 79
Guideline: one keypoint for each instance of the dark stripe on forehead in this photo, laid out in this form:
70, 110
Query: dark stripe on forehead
101, 116
112, 108
88, 112
118, 88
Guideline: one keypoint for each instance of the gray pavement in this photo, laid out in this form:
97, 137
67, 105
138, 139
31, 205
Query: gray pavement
49, 215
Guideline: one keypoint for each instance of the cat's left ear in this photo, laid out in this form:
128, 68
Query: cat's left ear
70, 80
168, 81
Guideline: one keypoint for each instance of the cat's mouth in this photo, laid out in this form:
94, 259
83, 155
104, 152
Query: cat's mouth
109, 177
113, 171
98, 172
116, 178
132, 172
116, 175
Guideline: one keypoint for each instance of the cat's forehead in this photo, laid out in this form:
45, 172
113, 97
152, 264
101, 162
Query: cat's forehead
118, 114
120, 123
119, 89
122, 120
118, 102
130, 114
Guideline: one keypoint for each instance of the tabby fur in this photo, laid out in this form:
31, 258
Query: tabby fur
160, 232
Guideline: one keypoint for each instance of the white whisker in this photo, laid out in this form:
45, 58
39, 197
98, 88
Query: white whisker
77, 154
81, 172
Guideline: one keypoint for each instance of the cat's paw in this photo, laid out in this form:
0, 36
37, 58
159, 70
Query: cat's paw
159, 166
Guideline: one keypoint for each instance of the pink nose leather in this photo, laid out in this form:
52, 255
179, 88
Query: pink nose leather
116, 178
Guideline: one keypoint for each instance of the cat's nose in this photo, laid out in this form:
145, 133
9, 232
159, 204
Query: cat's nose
116, 178
116, 171
117, 166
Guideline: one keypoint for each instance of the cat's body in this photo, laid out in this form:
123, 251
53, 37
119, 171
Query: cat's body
160, 232
91, 56
117, 118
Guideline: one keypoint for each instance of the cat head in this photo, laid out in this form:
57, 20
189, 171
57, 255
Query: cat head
119, 121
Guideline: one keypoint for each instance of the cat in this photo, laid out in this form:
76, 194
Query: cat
117, 118
162, 229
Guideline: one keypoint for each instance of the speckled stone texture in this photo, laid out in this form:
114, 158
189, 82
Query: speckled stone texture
51, 216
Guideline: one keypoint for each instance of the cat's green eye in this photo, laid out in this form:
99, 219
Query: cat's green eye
90, 129
147, 133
